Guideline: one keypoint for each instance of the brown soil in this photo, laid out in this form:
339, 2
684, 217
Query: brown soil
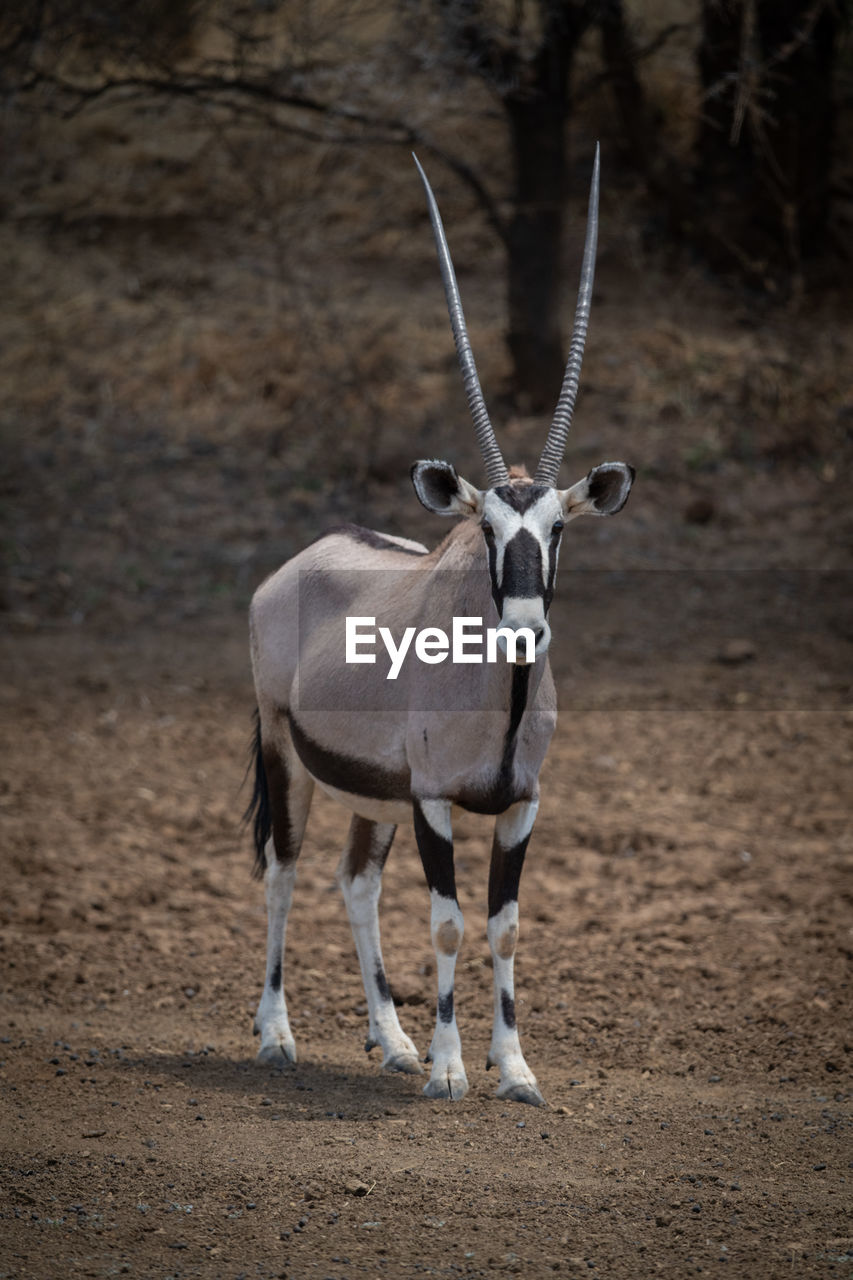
683, 996
684, 970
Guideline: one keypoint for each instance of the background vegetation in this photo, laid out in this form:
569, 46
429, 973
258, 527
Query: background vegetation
223, 320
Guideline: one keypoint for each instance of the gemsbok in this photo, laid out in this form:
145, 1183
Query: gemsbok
413, 733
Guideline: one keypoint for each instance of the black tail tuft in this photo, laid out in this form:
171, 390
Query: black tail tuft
258, 808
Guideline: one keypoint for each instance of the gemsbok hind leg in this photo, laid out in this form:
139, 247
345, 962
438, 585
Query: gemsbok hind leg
360, 877
282, 806
435, 845
512, 832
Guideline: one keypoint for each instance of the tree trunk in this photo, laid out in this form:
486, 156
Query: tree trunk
534, 246
619, 57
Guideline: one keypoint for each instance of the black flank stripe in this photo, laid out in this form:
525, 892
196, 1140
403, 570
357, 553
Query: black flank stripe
359, 777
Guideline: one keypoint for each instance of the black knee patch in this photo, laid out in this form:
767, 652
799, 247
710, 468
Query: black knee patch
508, 1009
445, 1007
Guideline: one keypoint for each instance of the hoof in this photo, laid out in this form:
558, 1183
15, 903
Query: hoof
276, 1055
370, 1044
523, 1092
404, 1062
451, 1087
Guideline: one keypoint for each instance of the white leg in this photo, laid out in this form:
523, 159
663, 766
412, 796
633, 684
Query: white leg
271, 1021
435, 844
448, 1078
512, 832
289, 788
361, 884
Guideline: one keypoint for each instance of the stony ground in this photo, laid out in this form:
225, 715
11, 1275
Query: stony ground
199, 374
684, 999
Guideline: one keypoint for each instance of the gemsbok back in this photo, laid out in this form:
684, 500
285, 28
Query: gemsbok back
395, 731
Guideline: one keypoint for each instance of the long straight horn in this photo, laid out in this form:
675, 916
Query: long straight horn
495, 465
552, 454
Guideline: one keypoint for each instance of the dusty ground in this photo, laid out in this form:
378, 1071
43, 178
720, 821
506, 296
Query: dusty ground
684, 984
684, 971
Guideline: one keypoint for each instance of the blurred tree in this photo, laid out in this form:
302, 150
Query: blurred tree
764, 145
760, 191
277, 62
526, 60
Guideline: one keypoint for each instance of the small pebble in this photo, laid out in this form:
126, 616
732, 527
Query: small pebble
734, 652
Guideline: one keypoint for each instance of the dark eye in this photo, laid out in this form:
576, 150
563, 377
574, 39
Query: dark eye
557, 526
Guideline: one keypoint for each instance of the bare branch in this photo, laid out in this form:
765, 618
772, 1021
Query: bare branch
641, 52
261, 101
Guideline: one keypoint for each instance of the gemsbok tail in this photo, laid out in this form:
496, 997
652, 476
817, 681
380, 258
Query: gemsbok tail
258, 808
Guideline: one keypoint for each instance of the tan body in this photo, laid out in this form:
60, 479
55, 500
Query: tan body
434, 732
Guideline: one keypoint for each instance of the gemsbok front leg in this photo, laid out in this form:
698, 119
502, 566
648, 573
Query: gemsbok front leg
435, 844
360, 878
512, 832
286, 791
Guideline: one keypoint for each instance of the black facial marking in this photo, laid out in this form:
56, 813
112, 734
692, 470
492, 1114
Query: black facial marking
508, 1009
520, 497
492, 549
522, 575
436, 856
382, 983
553, 548
346, 773
275, 978
445, 1008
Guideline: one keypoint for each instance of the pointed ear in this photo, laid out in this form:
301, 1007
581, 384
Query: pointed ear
602, 493
444, 492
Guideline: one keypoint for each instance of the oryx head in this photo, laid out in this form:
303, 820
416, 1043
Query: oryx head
522, 519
